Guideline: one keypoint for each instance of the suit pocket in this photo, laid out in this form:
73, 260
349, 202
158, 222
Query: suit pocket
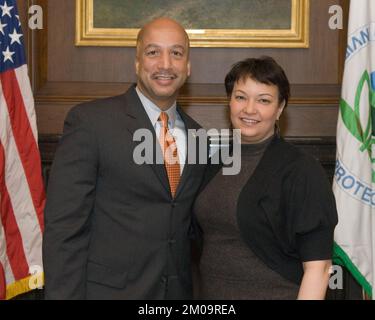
104, 275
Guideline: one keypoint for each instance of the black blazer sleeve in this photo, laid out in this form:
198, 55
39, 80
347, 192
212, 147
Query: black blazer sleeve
70, 199
312, 208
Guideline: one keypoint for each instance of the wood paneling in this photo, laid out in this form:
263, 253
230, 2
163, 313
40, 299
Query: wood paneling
312, 110
318, 64
64, 75
310, 120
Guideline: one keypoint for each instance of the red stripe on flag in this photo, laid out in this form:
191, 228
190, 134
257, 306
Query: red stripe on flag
2, 283
25, 141
13, 238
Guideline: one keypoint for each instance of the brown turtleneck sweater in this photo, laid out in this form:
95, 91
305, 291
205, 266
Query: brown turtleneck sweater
228, 267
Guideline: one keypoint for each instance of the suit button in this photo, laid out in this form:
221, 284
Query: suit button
173, 204
163, 279
171, 241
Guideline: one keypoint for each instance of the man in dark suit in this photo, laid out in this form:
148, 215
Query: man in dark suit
116, 229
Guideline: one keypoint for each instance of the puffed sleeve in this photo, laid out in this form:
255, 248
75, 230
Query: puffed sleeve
311, 210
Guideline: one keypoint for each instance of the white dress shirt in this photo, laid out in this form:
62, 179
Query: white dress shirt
175, 125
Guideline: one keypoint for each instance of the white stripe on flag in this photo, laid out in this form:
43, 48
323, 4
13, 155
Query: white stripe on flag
19, 193
4, 258
27, 96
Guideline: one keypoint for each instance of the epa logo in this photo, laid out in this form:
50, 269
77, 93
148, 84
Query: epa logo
351, 115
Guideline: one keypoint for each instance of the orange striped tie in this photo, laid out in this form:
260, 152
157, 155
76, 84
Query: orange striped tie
169, 149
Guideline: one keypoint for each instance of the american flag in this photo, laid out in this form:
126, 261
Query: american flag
22, 195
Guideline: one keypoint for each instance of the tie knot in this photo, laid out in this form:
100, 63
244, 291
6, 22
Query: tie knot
164, 119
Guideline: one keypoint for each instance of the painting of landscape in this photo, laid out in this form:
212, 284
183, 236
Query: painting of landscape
195, 14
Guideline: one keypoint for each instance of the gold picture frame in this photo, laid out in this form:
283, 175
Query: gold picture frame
295, 37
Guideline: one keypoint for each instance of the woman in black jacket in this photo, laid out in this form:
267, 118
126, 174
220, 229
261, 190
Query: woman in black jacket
268, 231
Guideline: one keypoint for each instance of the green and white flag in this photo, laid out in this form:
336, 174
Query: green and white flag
354, 182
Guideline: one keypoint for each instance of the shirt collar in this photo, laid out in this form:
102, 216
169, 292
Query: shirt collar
153, 111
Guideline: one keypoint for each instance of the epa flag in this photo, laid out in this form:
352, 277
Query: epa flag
22, 196
354, 182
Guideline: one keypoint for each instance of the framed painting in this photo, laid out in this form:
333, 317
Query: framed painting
209, 23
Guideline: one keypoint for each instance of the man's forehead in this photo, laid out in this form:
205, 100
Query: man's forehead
163, 32
163, 35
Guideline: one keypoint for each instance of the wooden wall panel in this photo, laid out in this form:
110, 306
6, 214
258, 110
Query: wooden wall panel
312, 110
318, 64
64, 75
312, 121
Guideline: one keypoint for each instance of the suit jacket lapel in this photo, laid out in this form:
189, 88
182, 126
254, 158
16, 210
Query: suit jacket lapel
137, 118
188, 168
